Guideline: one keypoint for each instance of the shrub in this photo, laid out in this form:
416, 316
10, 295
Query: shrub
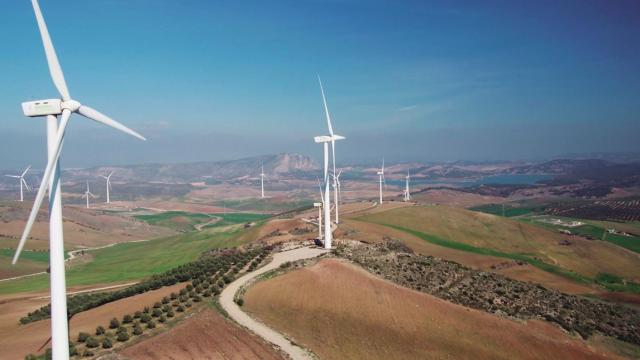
99, 330
106, 343
165, 300
166, 308
156, 312
137, 314
170, 314
220, 284
114, 323
145, 318
188, 303
162, 319
183, 291
122, 337
83, 336
87, 353
207, 293
146, 310
173, 296
189, 287
240, 301
180, 308
226, 279
157, 305
127, 319
215, 290
151, 324
197, 298
92, 342
72, 349
121, 329
137, 330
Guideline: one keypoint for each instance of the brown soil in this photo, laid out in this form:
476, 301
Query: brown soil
455, 198
340, 311
24, 339
206, 335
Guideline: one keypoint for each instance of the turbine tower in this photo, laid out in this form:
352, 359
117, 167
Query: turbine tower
51, 108
108, 178
337, 195
382, 180
333, 138
262, 175
407, 194
22, 182
319, 206
88, 193
326, 200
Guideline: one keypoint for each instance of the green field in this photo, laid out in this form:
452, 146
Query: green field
508, 210
36, 256
236, 218
133, 261
177, 220
264, 205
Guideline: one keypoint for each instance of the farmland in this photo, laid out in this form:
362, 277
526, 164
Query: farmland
358, 316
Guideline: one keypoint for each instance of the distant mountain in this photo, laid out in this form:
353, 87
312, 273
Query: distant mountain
275, 166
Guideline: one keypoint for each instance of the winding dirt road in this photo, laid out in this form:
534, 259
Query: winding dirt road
265, 332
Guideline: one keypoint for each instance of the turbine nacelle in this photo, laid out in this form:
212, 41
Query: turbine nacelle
322, 139
42, 107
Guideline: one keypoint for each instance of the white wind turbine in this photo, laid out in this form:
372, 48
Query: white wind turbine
333, 138
319, 206
51, 108
407, 194
88, 193
22, 182
326, 200
262, 176
382, 180
337, 192
108, 178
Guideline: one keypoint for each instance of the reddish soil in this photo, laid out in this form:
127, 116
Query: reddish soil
206, 335
24, 339
340, 311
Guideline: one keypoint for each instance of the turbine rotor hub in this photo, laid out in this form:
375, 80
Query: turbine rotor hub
71, 105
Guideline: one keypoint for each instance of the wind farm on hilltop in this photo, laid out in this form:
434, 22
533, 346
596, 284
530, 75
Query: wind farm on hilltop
418, 207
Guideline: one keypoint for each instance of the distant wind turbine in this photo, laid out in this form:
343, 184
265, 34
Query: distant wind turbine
51, 108
262, 176
22, 182
382, 180
88, 194
319, 206
108, 178
326, 200
337, 193
407, 194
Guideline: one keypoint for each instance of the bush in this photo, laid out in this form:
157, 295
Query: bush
240, 301
145, 318
127, 319
226, 279
197, 298
163, 319
173, 296
137, 314
180, 308
156, 313
122, 337
83, 336
151, 324
188, 303
215, 290
121, 329
220, 284
106, 343
114, 323
207, 293
189, 287
99, 330
146, 310
157, 305
137, 329
92, 342
87, 353
165, 300
170, 314
72, 349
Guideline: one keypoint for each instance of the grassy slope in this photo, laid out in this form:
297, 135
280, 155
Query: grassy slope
496, 236
133, 261
268, 204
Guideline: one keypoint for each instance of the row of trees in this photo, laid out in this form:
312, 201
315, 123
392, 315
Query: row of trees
211, 262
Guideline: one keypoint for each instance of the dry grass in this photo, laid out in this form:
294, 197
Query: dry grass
339, 311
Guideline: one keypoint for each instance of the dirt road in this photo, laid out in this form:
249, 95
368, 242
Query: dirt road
234, 311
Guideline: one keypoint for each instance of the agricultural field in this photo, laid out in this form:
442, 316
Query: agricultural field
136, 260
187, 221
576, 258
605, 209
267, 205
355, 315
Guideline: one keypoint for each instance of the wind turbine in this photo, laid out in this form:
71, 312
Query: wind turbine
407, 194
382, 180
88, 193
108, 178
326, 201
51, 108
337, 193
22, 182
333, 138
319, 206
262, 176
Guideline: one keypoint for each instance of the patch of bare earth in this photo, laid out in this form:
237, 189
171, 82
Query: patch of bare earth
339, 311
206, 335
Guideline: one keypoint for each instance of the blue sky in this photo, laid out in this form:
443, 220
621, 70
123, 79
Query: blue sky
408, 80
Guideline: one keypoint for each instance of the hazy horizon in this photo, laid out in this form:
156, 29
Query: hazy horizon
425, 81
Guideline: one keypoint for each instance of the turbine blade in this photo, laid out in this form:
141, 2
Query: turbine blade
13, 176
95, 115
326, 108
25, 184
44, 185
25, 171
52, 59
